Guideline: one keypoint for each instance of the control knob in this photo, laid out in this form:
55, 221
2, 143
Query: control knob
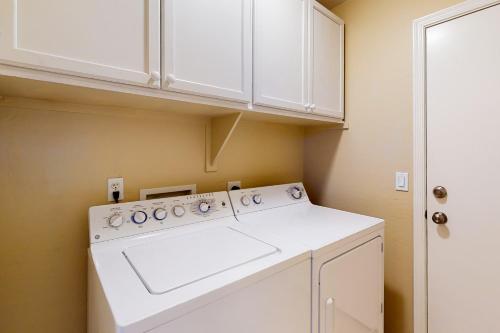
257, 198
115, 220
160, 214
296, 192
204, 207
139, 217
245, 201
178, 211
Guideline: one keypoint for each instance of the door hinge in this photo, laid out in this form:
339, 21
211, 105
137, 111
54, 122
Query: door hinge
381, 307
425, 214
382, 247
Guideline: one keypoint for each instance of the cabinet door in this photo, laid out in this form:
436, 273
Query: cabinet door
116, 40
352, 291
280, 51
208, 48
327, 62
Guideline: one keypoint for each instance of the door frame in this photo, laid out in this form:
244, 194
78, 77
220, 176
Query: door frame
420, 309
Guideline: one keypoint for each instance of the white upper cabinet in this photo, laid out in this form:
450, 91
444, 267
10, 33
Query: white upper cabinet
284, 56
327, 63
115, 40
280, 51
208, 48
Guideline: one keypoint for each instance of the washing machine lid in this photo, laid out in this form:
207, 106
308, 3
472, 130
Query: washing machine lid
169, 264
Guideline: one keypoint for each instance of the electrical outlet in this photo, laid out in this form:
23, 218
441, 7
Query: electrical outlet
234, 185
115, 184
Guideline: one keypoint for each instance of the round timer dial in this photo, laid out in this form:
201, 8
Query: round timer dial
296, 192
139, 217
204, 207
178, 211
160, 214
115, 220
257, 198
245, 201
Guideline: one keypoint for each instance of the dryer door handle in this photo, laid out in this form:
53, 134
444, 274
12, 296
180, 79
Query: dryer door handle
329, 315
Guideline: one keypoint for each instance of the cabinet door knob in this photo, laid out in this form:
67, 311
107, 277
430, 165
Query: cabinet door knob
313, 106
155, 76
306, 106
171, 79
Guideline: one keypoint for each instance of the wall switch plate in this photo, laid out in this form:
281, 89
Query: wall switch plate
233, 185
115, 184
401, 181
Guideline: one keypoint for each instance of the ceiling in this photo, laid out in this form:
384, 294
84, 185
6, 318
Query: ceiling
330, 3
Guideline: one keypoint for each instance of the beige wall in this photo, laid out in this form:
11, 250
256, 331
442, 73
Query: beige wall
58, 162
54, 165
354, 169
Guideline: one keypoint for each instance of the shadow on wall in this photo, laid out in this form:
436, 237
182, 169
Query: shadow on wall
319, 161
394, 304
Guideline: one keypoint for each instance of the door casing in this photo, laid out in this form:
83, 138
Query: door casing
419, 150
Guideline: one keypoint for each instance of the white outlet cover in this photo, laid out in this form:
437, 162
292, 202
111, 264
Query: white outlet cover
119, 183
401, 181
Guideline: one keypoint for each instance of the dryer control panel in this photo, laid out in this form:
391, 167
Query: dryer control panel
261, 198
126, 219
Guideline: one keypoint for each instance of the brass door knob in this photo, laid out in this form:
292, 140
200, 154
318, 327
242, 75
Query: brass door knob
440, 192
439, 218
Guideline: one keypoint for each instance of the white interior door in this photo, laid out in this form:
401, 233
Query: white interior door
463, 156
280, 51
327, 62
352, 291
116, 40
208, 48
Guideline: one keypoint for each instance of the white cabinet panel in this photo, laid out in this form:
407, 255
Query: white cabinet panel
352, 291
208, 48
116, 40
327, 62
280, 51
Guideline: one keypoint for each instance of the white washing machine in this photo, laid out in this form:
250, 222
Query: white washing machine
184, 265
347, 254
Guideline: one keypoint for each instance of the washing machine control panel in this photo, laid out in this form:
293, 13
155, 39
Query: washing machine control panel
261, 198
127, 219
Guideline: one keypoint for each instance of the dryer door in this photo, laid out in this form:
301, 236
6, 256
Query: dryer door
352, 291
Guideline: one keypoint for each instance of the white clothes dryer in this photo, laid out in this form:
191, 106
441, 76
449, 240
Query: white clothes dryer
347, 254
184, 265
